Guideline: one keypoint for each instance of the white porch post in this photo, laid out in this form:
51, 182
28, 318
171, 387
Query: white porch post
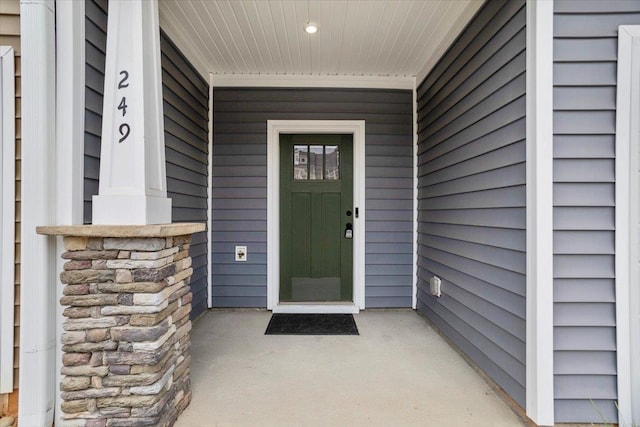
70, 109
132, 161
37, 299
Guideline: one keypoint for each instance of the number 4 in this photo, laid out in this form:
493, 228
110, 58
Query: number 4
123, 106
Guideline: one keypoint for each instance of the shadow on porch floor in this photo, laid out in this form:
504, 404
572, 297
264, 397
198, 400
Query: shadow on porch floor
398, 372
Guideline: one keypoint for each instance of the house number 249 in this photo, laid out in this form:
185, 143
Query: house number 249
124, 128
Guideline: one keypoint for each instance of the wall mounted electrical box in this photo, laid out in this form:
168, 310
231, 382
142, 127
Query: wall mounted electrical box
435, 285
241, 253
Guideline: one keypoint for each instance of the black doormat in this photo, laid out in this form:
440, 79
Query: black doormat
312, 324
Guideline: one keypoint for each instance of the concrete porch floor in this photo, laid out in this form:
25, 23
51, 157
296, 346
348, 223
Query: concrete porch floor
398, 372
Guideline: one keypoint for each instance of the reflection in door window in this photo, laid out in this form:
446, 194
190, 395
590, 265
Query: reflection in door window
332, 162
315, 162
300, 162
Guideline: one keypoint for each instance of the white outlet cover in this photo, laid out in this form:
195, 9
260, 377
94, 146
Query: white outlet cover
435, 286
241, 253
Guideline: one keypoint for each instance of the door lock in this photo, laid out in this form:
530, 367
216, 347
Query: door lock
348, 231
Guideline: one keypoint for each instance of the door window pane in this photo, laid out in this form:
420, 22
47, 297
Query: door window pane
315, 161
332, 162
300, 162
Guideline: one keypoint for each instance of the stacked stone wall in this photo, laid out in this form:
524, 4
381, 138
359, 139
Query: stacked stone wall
126, 331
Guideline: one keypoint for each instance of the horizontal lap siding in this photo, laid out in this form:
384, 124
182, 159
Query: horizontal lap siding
185, 104
240, 186
186, 120
471, 193
585, 55
95, 50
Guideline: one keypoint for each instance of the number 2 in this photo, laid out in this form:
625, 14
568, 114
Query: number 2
124, 128
125, 77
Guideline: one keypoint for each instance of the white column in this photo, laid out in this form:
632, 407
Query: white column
38, 207
70, 105
628, 225
132, 161
539, 341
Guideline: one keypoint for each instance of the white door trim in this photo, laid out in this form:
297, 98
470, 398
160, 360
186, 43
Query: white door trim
627, 219
274, 129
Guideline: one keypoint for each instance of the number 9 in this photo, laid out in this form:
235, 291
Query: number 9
125, 130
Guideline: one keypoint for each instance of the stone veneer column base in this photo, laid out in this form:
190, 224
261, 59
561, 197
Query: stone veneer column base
126, 330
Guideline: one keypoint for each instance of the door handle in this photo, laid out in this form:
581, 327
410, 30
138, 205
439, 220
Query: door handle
348, 231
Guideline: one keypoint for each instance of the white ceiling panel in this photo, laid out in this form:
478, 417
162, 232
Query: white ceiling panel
373, 38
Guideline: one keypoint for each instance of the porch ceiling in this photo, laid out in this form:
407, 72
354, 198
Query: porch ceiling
377, 38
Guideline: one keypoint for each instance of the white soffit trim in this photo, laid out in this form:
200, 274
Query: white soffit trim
70, 111
7, 214
539, 310
274, 129
326, 81
627, 224
38, 306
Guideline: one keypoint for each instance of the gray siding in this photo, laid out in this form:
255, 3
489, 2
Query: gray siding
240, 185
585, 54
95, 50
186, 121
186, 98
471, 193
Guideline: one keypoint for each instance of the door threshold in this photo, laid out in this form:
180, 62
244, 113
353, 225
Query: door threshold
316, 308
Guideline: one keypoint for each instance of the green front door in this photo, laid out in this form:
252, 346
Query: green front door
316, 218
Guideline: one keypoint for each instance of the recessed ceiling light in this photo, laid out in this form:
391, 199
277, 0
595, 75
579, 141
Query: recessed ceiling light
311, 27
